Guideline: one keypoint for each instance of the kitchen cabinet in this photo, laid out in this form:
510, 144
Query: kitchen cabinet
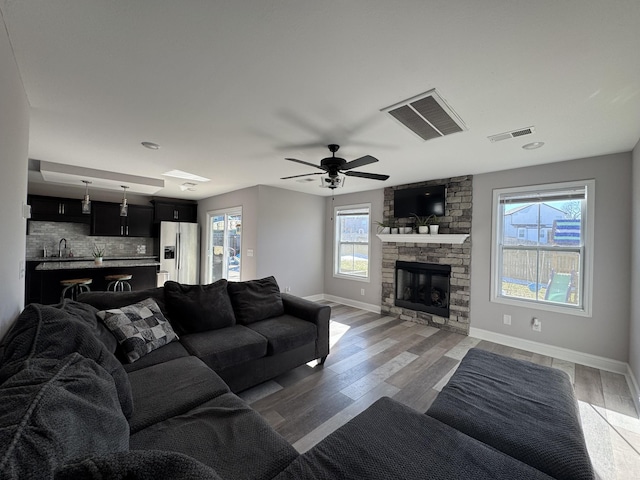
175, 211
56, 209
107, 222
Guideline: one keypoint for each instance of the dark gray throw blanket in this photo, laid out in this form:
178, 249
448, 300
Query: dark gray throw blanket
47, 331
138, 465
525, 410
62, 394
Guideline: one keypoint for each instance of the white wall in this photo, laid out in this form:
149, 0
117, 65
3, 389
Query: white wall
350, 289
605, 334
14, 139
634, 330
291, 239
246, 198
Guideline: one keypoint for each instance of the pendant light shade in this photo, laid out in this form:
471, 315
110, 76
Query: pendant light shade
124, 208
86, 202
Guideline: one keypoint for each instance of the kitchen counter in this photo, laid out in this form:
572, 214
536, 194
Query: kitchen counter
80, 264
85, 259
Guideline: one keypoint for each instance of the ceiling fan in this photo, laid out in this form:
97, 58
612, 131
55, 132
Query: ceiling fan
334, 166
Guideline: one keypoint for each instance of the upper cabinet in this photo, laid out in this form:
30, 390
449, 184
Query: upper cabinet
168, 210
55, 209
107, 222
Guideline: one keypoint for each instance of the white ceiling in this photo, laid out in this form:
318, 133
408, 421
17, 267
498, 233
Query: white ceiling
230, 88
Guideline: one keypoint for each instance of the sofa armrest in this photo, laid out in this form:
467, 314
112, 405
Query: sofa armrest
311, 312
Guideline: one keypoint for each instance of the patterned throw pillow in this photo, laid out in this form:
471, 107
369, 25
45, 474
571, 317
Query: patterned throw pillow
139, 328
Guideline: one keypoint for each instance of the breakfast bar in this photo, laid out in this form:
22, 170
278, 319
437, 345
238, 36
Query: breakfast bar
43, 285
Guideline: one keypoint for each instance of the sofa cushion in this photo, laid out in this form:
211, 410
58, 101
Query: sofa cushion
285, 333
168, 352
525, 410
172, 388
46, 331
137, 464
54, 410
199, 308
390, 440
226, 347
256, 300
139, 328
225, 434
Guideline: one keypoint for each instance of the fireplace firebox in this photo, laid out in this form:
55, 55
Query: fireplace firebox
423, 287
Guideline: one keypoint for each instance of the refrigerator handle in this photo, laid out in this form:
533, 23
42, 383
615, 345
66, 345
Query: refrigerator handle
178, 248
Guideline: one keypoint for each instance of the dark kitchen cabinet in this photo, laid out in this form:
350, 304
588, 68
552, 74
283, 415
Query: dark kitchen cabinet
107, 222
175, 211
56, 209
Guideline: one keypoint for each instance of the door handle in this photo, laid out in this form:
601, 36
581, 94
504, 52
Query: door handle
121, 230
127, 230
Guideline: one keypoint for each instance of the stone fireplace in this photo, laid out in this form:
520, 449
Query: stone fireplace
408, 294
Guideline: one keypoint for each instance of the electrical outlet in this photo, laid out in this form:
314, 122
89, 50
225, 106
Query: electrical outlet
362, 291
506, 319
121, 246
536, 325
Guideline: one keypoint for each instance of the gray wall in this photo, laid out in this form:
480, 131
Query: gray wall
14, 141
291, 239
284, 229
247, 198
605, 333
350, 289
634, 331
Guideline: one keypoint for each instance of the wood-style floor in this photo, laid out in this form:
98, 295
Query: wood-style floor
374, 356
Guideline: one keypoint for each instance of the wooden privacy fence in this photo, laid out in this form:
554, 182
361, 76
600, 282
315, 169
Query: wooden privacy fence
521, 264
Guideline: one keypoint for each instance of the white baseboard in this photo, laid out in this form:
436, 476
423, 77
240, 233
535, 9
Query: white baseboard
353, 303
574, 356
634, 387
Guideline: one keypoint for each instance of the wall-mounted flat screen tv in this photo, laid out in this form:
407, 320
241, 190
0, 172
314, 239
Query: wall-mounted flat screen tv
421, 201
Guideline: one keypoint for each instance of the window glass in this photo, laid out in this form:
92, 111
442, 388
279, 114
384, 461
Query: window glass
541, 248
352, 241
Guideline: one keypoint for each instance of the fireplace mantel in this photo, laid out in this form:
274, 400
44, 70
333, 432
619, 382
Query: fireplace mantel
451, 238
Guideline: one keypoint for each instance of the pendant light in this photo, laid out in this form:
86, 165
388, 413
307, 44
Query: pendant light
86, 203
124, 208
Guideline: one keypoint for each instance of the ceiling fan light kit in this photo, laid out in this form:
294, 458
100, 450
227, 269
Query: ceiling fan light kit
334, 166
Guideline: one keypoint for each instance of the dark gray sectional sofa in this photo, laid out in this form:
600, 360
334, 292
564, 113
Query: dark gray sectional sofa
72, 410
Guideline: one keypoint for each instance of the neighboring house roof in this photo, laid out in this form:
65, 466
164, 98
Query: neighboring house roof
522, 207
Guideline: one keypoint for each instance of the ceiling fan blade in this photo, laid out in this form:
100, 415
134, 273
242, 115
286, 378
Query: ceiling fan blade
304, 163
303, 175
370, 176
359, 162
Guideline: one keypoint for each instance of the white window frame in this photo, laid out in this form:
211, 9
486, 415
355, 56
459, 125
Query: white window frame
586, 274
336, 242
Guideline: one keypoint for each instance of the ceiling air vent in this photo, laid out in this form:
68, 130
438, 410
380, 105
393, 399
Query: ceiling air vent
427, 115
512, 134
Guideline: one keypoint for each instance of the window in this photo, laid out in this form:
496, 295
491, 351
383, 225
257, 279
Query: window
543, 246
351, 257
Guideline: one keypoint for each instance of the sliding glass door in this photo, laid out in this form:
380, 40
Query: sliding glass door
224, 244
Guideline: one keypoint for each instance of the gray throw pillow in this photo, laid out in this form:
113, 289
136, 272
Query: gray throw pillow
199, 308
256, 300
139, 328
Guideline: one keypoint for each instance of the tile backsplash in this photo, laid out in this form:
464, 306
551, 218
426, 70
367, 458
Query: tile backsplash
48, 234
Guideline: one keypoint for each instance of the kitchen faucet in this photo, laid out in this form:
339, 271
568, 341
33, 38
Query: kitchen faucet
60, 246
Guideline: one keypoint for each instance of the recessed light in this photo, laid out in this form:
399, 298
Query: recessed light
533, 145
185, 176
151, 145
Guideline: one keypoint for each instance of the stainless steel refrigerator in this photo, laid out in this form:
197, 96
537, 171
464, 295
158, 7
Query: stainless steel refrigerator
179, 252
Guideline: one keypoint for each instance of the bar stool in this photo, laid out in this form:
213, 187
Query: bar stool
74, 287
119, 282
